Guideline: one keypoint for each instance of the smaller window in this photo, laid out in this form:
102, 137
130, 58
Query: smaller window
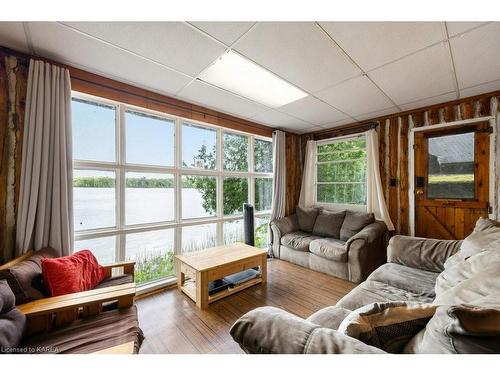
199, 237
233, 231
263, 193
261, 231
199, 147
263, 156
235, 150
149, 139
199, 196
450, 166
94, 128
235, 193
103, 248
341, 172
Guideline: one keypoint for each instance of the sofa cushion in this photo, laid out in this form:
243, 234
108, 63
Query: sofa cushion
328, 224
461, 329
329, 317
466, 269
92, 334
411, 279
115, 280
25, 278
387, 325
484, 237
71, 274
354, 222
329, 248
306, 218
12, 321
375, 291
298, 240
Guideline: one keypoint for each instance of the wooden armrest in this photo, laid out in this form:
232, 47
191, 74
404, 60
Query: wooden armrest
126, 348
123, 293
128, 267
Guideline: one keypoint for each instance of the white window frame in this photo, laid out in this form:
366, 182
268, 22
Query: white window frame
121, 167
329, 205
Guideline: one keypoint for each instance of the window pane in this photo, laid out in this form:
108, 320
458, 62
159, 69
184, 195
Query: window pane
94, 127
103, 248
149, 197
451, 166
199, 196
235, 150
341, 172
261, 231
93, 199
198, 237
233, 231
263, 156
153, 252
149, 139
263, 193
199, 147
235, 192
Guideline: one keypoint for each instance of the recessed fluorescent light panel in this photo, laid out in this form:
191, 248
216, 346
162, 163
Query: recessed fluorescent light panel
238, 75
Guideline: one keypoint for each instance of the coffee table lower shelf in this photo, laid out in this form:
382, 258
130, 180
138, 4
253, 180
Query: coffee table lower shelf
189, 288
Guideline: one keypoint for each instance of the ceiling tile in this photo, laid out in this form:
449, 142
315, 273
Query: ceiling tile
174, 44
299, 52
225, 32
312, 110
308, 130
220, 100
429, 101
455, 28
12, 36
480, 89
355, 97
477, 55
372, 44
419, 76
339, 123
62, 44
282, 120
375, 114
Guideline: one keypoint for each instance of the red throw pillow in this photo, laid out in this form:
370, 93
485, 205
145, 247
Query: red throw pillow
71, 274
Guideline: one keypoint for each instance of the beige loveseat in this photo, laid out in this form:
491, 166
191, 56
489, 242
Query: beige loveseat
433, 296
344, 244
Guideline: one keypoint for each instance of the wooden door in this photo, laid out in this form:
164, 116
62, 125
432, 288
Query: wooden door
451, 180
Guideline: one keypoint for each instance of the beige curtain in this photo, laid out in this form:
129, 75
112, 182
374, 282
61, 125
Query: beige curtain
307, 192
375, 201
45, 214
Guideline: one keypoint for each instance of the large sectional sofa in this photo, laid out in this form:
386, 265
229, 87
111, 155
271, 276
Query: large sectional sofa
344, 244
433, 296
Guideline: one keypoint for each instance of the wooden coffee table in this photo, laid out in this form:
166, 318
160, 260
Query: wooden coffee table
195, 270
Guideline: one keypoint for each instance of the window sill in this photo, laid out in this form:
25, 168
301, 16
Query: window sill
155, 285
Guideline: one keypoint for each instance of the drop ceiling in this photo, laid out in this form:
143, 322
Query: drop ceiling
351, 71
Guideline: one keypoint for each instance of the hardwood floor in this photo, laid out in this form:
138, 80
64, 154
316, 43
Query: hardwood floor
173, 324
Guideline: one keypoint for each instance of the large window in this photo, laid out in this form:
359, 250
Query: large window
149, 185
341, 172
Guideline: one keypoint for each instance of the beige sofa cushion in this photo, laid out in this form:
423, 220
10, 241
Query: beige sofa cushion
388, 326
306, 218
298, 240
484, 237
461, 329
329, 248
328, 224
329, 317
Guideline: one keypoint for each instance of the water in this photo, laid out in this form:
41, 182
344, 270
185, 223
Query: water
95, 208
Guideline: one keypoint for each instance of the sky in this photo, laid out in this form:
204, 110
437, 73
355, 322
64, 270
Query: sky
149, 140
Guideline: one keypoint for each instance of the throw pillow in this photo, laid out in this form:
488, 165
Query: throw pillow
354, 222
306, 218
389, 325
328, 224
483, 236
462, 329
25, 278
71, 274
12, 321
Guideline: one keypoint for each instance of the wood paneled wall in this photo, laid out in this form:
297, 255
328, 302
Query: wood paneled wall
13, 79
293, 171
393, 145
